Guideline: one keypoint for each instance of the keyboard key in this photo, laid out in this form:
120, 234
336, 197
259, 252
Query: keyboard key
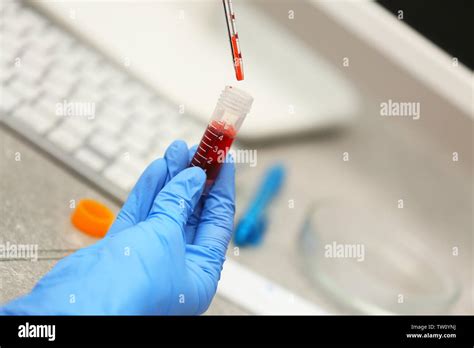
79, 59
12, 27
79, 125
35, 61
105, 144
108, 126
33, 119
111, 122
28, 73
97, 77
64, 78
8, 100
65, 140
52, 90
85, 93
50, 39
90, 159
52, 43
120, 176
133, 163
142, 131
146, 112
135, 145
113, 111
11, 49
28, 90
68, 128
48, 105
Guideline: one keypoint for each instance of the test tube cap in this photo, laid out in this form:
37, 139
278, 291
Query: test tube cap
236, 99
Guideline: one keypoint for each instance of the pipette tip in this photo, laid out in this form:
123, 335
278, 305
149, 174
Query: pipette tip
239, 71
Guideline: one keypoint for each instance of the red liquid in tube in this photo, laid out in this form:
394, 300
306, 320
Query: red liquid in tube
212, 150
232, 107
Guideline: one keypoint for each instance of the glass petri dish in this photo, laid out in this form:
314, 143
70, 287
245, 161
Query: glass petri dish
364, 261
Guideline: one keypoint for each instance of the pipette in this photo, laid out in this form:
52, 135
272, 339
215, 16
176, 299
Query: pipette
229, 114
234, 39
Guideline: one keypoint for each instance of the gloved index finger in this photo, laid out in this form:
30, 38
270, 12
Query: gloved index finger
176, 202
139, 201
155, 176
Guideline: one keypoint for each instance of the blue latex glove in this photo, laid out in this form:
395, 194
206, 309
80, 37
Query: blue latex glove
163, 254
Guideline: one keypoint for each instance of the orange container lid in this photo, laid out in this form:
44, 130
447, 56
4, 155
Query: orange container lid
92, 217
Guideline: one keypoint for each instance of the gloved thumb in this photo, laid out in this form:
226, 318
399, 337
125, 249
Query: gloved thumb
176, 202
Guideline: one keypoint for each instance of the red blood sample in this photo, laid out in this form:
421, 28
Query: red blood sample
213, 148
239, 70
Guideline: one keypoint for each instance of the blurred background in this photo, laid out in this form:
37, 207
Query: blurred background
364, 109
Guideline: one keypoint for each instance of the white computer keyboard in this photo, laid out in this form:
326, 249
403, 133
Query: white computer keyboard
81, 108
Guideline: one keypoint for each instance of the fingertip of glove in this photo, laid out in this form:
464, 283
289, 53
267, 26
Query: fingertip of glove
197, 174
192, 152
176, 147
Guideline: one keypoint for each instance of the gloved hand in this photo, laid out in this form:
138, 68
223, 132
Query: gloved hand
163, 254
